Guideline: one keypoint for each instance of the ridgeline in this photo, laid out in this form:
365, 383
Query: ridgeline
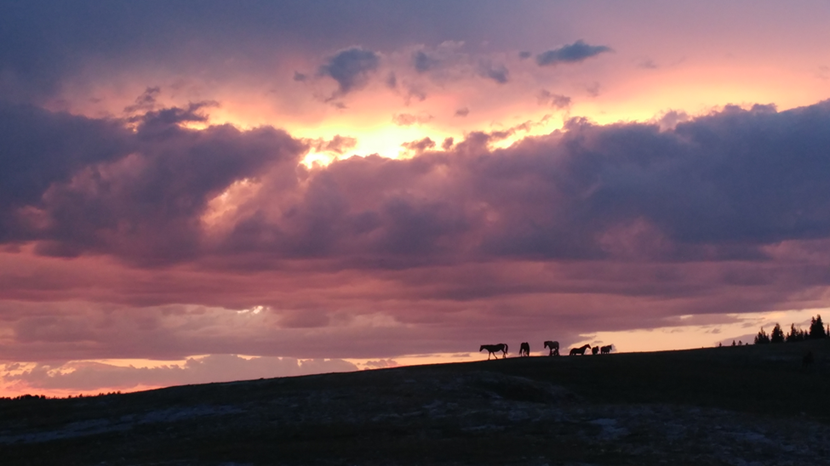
730, 405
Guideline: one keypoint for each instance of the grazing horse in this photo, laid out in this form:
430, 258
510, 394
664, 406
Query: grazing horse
554, 347
580, 351
595, 350
605, 349
493, 349
524, 349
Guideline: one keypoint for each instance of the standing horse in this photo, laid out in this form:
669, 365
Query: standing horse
493, 349
580, 351
554, 347
524, 349
605, 349
595, 350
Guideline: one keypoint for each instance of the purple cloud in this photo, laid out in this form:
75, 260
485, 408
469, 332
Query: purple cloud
572, 53
350, 68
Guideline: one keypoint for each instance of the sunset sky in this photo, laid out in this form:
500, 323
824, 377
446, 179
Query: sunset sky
209, 191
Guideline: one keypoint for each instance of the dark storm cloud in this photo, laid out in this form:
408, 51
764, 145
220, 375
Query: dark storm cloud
573, 53
79, 185
41, 148
718, 187
351, 68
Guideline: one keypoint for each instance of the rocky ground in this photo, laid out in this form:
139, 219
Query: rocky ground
530, 411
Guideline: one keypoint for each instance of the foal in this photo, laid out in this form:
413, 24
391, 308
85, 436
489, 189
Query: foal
554, 347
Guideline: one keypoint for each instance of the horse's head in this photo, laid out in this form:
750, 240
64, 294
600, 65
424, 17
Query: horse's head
481, 349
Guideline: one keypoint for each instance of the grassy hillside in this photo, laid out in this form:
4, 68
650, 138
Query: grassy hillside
708, 406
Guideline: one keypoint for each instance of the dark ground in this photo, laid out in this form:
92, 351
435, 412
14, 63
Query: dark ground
736, 405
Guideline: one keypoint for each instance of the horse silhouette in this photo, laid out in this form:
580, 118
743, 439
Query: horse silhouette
493, 349
524, 349
554, 347
580, 351
595, 350
605, 349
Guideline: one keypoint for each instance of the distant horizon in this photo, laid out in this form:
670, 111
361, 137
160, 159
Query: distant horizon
197, 376
327, 186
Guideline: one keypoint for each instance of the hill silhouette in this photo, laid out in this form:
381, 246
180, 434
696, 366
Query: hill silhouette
754, 404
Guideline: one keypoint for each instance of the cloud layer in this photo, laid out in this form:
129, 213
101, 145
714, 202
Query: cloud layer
217, 240
88, 377
720, 187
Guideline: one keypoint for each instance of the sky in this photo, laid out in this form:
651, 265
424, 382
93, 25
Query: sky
208, 191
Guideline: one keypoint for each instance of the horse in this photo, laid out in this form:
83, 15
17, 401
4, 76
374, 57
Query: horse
524, 349
580, 351
595, 350
554, 347
493, 349
605, 349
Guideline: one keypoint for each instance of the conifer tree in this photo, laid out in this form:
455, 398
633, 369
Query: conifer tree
777, 335
792, 335
796, 334
817, 328
762, 337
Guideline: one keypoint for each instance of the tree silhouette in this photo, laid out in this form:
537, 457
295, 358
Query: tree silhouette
762, 338
796, 334
777, 335
817, 328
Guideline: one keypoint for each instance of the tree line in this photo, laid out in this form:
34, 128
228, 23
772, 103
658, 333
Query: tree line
817, 331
